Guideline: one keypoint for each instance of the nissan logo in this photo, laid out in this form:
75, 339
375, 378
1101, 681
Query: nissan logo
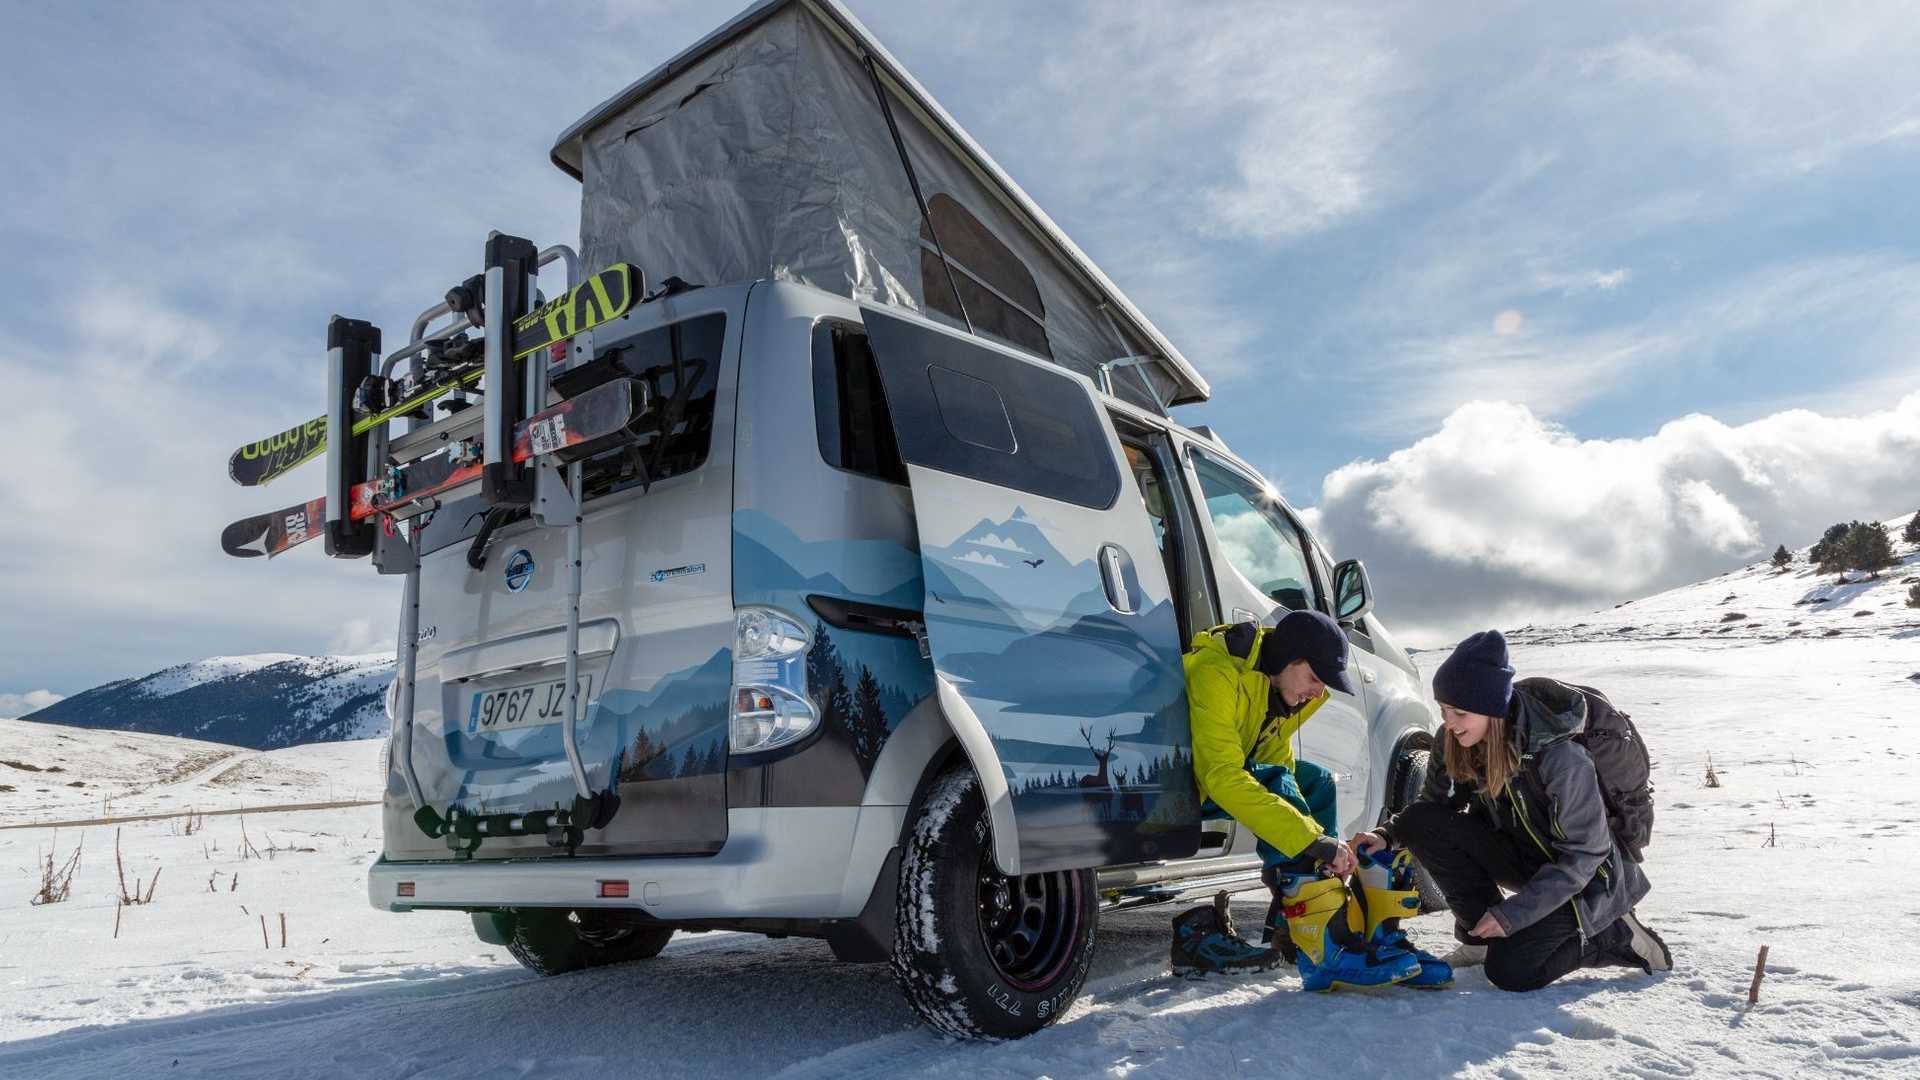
519, 570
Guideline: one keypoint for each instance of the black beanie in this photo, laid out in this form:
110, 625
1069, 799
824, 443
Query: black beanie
1477, 677
1309, 636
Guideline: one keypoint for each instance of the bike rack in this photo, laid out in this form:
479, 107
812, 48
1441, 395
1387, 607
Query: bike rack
556, 498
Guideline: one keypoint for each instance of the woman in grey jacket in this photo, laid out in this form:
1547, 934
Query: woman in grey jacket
1513, 802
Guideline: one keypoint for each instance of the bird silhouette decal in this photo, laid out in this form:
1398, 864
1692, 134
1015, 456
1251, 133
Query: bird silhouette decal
1033, 562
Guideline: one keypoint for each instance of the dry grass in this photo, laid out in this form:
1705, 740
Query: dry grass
56, 882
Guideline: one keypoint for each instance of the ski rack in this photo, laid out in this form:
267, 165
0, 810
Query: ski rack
552, 491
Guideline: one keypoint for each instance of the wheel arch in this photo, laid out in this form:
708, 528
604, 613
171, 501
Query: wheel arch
1404, 723
938, 732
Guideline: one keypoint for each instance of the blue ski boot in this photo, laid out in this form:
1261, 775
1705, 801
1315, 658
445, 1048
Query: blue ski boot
1387, 893
1330, 953
1204, 942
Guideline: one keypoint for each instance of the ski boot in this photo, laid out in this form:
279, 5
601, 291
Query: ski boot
1313, 916
1204, 942
1387, 893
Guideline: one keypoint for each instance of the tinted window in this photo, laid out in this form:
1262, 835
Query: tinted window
1255, 536
1059, 447
972, 409
677, 434
850, 410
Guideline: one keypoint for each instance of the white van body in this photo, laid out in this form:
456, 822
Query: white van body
873, 570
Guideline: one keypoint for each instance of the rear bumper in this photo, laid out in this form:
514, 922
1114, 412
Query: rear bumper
778, 862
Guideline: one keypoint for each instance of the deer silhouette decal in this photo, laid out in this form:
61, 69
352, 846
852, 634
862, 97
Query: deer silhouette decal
1098, 779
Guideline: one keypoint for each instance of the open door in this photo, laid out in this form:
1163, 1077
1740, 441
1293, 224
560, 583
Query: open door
1047, 605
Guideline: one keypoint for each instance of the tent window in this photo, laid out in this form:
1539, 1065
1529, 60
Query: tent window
1000, 294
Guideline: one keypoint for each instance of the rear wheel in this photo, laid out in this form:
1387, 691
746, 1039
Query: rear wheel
553, 941
1410, 777
979, 954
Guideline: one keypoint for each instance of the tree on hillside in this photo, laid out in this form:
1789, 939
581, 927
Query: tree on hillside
1782, 558
1912, 532
1913, 596
1826, 546
1864, 546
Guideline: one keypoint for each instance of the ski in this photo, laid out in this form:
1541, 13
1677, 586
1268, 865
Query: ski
605, 296
578, 427
271, 534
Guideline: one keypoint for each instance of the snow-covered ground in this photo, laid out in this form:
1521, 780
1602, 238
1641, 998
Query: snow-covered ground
49, 772
1806, 846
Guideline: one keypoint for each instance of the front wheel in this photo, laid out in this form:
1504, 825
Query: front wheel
1411, 777
979, 954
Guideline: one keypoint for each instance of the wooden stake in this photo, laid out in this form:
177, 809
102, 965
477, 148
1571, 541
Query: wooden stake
117, 906
1759, 971
283, 929
264, 943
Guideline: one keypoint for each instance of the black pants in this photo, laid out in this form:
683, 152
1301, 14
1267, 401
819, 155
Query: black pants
1471, 862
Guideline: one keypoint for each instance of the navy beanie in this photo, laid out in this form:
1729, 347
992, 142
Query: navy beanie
1309, 636
1477, 677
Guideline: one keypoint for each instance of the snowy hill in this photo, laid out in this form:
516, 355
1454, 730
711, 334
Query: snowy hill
1758, 603
262, 702
51, 773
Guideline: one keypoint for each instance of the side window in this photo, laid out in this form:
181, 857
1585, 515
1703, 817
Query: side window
679, 444
999, 291
1255, 536
971, 410
680, 363
1153, 496
850, 411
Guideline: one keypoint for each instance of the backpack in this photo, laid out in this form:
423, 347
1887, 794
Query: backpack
1625, 771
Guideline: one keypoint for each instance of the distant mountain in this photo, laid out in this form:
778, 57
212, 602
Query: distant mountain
262, 702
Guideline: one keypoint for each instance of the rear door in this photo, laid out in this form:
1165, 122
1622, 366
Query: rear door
1047, 604
656, 631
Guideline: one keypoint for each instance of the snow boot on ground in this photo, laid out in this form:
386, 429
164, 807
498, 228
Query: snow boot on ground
1204, 942
1387, 892
1329, 952
1642, 947
1466, 956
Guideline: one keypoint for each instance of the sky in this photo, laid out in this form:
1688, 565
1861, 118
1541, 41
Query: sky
1534, 310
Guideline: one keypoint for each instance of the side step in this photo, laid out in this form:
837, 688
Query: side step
1178, 891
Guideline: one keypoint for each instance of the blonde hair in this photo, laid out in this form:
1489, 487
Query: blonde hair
1491, 763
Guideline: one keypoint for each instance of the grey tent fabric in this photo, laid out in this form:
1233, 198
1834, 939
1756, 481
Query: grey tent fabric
764, 153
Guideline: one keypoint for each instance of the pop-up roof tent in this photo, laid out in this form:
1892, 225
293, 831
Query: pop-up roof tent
764, 151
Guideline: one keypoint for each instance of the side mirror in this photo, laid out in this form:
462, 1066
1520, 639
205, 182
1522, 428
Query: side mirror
1352, 593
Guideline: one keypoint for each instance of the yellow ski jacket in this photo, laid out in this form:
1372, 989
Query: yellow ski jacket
1227, 700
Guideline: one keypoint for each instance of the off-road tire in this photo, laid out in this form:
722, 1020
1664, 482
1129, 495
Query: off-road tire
554, 941
1409, 776
943, 953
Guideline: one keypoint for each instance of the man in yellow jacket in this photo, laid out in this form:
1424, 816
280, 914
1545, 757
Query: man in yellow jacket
1249, 690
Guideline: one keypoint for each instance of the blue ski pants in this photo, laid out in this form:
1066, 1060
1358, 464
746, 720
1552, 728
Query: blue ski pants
1306, 787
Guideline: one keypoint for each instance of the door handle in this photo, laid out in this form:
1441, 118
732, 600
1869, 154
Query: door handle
1113, 564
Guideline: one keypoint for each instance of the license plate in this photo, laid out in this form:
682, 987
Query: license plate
524, 706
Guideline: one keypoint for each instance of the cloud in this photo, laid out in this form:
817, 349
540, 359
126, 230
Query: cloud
17, 705
1289, 102
1002, 543
1501, 517
357, 637
981, 558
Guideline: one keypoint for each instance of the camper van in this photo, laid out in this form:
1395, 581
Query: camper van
868, 627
